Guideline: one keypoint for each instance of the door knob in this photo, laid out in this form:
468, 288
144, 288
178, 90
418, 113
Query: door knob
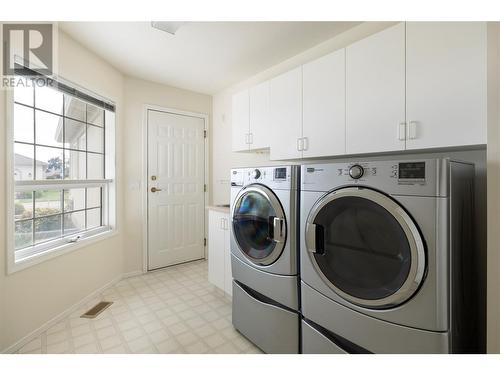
154, 190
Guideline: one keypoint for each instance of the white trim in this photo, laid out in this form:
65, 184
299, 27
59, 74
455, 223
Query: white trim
32, 335
68, 184
146, 108
9, 181
63, 249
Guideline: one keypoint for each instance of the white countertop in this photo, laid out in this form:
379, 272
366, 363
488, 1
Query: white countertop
218, 208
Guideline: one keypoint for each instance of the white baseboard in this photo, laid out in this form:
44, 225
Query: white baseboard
32, 335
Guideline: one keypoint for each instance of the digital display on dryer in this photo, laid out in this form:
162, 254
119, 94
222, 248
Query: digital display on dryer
280, 174
412, 171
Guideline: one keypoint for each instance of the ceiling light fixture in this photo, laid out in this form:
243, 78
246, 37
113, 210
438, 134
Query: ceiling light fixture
168, 27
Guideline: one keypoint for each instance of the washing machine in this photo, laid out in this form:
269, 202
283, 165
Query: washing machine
264, 257
387, 257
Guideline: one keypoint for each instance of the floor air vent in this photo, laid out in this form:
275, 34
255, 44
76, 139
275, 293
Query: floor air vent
96, 310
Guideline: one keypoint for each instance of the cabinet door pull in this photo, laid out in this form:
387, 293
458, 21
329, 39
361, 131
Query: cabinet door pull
300, 144
402, 131
250, 138
305, 144
412, 130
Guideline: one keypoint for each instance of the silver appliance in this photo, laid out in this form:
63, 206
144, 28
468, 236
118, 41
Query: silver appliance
263, 256
387, 257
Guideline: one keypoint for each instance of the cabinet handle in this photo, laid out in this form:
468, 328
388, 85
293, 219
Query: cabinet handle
250, 138
300, 144
402, 131
226, 226
221, 223
412, 130
305, 144
246, 138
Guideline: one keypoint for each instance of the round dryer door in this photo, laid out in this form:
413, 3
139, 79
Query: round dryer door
365, 247
259, 224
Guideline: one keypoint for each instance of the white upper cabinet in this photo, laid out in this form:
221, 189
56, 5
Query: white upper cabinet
241, 121
285, 99
375, 85
323, 125
259, 116
446, 84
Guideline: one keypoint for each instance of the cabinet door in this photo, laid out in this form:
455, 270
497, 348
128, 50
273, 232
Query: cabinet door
285, 100
375, 85
446, 84
216, 247
323, 103
259, 116
240, 121
228, 275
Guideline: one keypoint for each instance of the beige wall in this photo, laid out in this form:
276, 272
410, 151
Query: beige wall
137, 94
493, 165
31, 297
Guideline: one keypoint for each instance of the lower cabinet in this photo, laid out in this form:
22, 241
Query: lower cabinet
219, 253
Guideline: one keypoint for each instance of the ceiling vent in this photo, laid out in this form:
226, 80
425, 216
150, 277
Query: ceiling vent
168, 27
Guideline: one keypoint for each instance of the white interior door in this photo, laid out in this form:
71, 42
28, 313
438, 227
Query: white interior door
176, 170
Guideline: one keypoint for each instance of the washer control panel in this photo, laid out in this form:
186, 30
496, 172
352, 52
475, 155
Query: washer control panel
275, 177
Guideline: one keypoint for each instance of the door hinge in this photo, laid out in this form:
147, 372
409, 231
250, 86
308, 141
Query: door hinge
204, 134
205, 188
204, 242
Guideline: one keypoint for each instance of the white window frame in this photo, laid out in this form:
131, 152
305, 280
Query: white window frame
48, 250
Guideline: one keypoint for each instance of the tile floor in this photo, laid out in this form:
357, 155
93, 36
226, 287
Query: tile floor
174, 310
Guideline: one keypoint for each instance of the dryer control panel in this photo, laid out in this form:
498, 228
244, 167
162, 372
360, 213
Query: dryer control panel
402, 176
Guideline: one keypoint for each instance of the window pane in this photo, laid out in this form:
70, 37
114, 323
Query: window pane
49, 129
24, 162
95, 115
95, 141
93, 197
74, 134
23, 205
23, 234
93, 218
49, 99
47, 228
23, 124
74, 222
95, 167
23, 95
47, 202
75, 167
74, 199
74, 108
51, 163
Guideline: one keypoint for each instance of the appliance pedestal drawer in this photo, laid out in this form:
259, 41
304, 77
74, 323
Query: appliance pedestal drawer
314, 342
268, 325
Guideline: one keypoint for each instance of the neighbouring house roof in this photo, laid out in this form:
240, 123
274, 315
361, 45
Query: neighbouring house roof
25, 160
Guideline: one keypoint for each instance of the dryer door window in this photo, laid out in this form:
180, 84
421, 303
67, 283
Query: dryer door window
366, 247
259, 224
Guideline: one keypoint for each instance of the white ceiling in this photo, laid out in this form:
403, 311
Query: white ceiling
203, 56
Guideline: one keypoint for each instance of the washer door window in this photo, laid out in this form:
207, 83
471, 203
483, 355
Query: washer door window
259, 224
366, 247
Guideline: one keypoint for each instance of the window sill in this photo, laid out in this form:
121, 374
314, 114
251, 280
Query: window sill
13, 267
